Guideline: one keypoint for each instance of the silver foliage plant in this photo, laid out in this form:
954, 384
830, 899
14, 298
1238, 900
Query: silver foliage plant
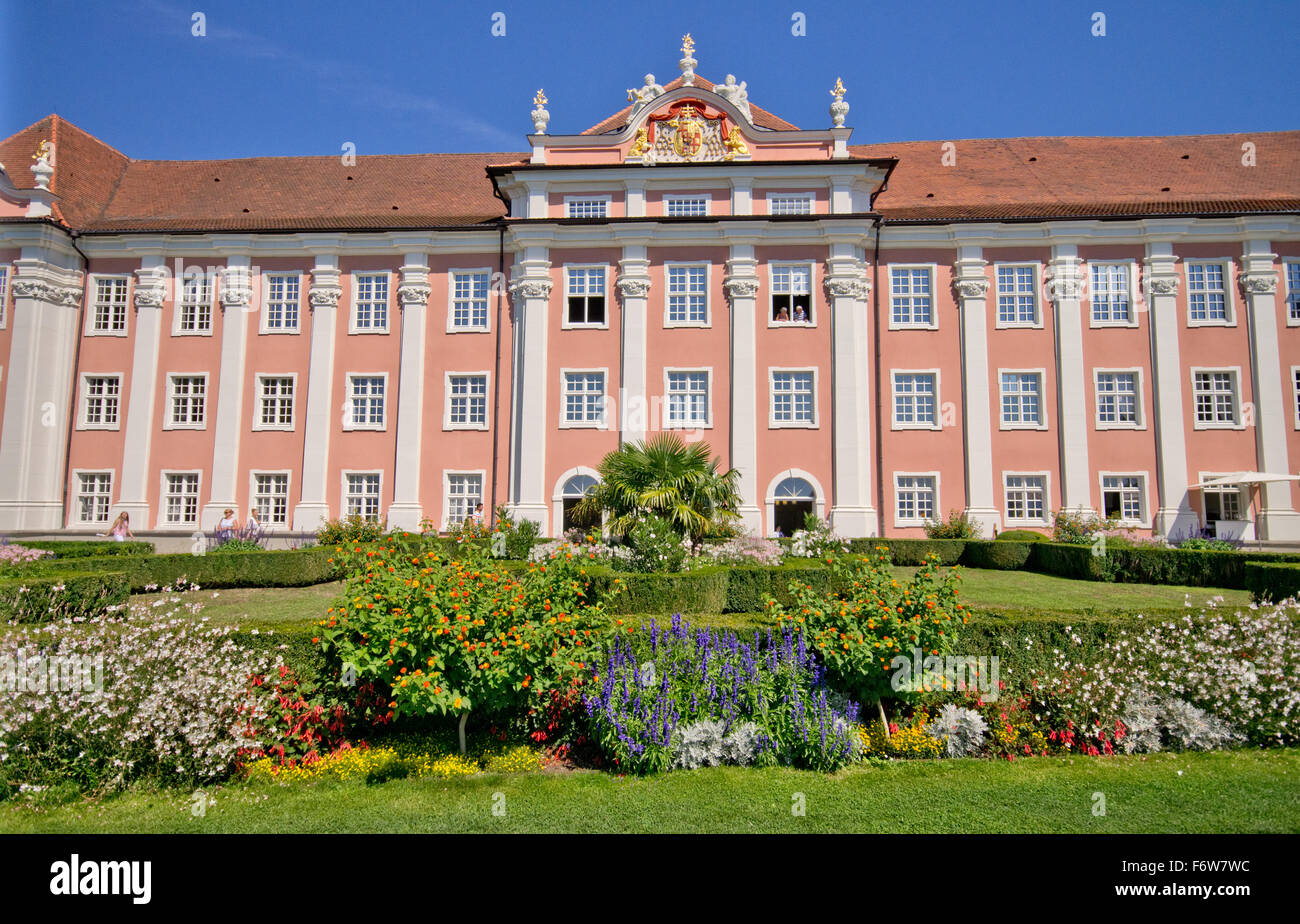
707, 743
960, 731
1158, 723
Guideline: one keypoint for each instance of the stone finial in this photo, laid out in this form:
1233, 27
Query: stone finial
839, 108
541, 118
43, 169
688, 62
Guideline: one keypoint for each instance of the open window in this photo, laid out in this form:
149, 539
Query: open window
792, 293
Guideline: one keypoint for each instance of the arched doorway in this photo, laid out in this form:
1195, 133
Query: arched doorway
793, 499
574, 490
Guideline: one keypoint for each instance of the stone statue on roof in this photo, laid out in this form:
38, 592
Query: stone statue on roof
736, 94
641, 97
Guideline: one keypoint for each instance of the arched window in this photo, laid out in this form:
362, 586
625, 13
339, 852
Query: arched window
575, 489
794, 499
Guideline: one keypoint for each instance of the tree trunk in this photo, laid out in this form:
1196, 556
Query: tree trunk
463, 717
883, 719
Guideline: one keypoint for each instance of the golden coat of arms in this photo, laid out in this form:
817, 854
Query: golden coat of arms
688, 132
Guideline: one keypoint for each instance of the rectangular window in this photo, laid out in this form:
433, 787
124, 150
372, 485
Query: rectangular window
688, 399
586, 294
917, 497
794, 401
686, 206
275, 402
469, 301
4, 294
361, 497
1117, 399
790, 205
1222, 503
1293, 291
108, 315
282, 292
1215, 393
464, 493
1122, 497
271, 498
94, 491
180, 499
467, 402
792, 293
187, 401
911, 299
584, 398
366, 402
1017, 296
1027, 497
587, 208
1022, 399
370, 302
687, 295
1295, 374
1109, 293
1207, 295
100, 399
915, 396
195, 313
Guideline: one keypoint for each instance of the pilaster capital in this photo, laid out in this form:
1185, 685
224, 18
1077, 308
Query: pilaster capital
414, 294
324, 296
1064, 279
1160, 274
150, 287
968, 279
630, 286
236, 287
47, 283
529, 287
848, 286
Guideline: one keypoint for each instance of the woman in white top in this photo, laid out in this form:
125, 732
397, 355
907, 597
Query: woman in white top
227, 526
252, 525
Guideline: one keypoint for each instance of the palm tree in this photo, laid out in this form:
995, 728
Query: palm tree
665, 476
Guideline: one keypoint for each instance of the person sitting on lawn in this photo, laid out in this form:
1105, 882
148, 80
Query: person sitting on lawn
121, 528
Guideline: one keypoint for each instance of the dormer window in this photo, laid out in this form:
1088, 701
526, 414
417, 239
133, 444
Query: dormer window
586, 207
686, 206
790, 204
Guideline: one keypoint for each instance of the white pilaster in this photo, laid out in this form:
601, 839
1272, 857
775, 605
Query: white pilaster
318, 419
741, 284
852, 513
38, 397
530, 293
1064, 287
150, 293
237, 303
1174, 514
742, 195
406, 513
633, 289
972, 288
1278, 519
635, 198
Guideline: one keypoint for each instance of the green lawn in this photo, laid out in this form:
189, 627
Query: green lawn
1242, 791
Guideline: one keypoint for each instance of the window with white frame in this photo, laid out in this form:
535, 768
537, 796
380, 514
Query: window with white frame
1215, 395
370, 302
280, 313
686, 206
688, 295
1109, 293
194, 314
4, 295
794, 399
790, 204
271, 498
1017, 296
792, 293
361, 494
469, 300
584, 398
1118, 400
1222, 502
1022, 399
1295, 375
467, 401
366, 402
911, 296
585, 294
1292, 291
1207, 293
100, 399
180, 498
595, 207
916, 497
688, 399
108, 314
464, 493
1122, 497
915, 399
275, 402
1027, 498
187, 401
94, 492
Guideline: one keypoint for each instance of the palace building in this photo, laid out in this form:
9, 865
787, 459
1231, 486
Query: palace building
878, 333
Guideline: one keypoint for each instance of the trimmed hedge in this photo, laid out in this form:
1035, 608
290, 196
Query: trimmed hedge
1004, 556
289, 568
38, 598
1022, 535
912, 551
1139, 565
68, 548
1272, 580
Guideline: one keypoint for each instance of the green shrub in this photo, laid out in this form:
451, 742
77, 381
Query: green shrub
957, 526
1022, 535
1272, 581
354, 528
54, 595
235, 545
748, 588
288, 568
912, 552
513, 540
701, 591
1005, 556
656, 545
71, 548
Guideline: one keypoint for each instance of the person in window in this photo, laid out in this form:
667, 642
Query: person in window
227, 525
800, 315
782, 314
121, 528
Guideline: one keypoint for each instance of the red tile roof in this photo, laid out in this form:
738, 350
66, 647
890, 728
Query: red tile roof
100, 189
761, 117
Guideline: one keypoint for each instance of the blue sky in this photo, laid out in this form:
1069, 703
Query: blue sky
289, 77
